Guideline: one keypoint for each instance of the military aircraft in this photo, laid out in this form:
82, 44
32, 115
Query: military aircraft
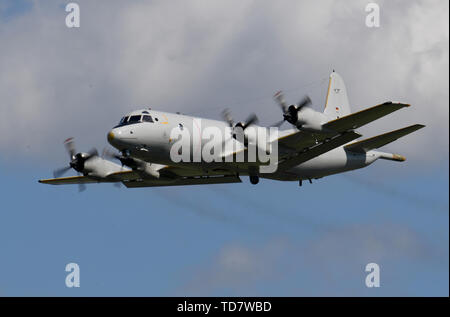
318, 144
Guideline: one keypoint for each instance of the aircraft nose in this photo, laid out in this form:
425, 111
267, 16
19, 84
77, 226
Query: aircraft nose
113, 137
110, 136
121, 138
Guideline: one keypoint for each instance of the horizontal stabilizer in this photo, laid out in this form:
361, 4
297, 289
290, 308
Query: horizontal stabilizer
363, 117
381, 140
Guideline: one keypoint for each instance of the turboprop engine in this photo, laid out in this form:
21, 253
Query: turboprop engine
301, 115
135, 164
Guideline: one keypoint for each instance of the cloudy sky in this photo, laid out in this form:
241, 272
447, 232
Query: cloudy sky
199, 57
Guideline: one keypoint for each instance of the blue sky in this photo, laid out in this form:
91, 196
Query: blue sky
271, 239
315, 240
10, 9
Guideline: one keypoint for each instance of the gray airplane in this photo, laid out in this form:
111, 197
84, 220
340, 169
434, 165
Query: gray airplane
318, 144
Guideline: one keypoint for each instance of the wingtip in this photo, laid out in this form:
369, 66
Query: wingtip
397, 103
44, 181
417, 126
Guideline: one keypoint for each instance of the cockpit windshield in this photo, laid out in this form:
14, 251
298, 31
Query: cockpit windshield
123, 121
134, 119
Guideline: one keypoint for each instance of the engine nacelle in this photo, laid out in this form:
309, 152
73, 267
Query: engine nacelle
148, 170
99, 167
310, 120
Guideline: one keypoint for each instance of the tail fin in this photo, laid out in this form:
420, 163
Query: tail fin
336, 104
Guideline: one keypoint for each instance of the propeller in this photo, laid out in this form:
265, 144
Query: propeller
124, 158
81, 187
226, 115
279, 98
290, 114
70, 147
77, 161
61, 171
109, 154
134, 163
251, 119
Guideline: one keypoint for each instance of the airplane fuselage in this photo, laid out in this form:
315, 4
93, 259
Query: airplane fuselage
152, 140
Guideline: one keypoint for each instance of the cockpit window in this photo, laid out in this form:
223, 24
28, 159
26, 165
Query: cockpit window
134, 119
123, 120
147, 119
129, 120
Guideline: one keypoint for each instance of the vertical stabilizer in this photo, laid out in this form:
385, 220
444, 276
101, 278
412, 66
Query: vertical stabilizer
336, 104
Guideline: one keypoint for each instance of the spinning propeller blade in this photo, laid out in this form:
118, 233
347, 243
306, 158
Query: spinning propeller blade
60, 171
77, 161
290, 114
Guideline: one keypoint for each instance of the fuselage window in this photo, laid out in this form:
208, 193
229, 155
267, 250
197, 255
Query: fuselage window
134, 119
147, 119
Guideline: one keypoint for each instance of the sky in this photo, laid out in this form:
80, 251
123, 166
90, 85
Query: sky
199, 57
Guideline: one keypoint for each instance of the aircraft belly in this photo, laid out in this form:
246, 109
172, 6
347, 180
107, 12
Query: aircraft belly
333, 162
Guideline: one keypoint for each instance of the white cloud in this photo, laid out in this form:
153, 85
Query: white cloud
200, 56
330, 263
236, 268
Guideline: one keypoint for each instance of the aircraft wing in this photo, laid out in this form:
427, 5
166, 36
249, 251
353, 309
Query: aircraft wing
298, 140
296, 147
310, 151
114, 177
198, 180
363, 117
170, 176
69, 180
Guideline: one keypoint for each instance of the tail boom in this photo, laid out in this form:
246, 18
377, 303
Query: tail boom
391, 157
